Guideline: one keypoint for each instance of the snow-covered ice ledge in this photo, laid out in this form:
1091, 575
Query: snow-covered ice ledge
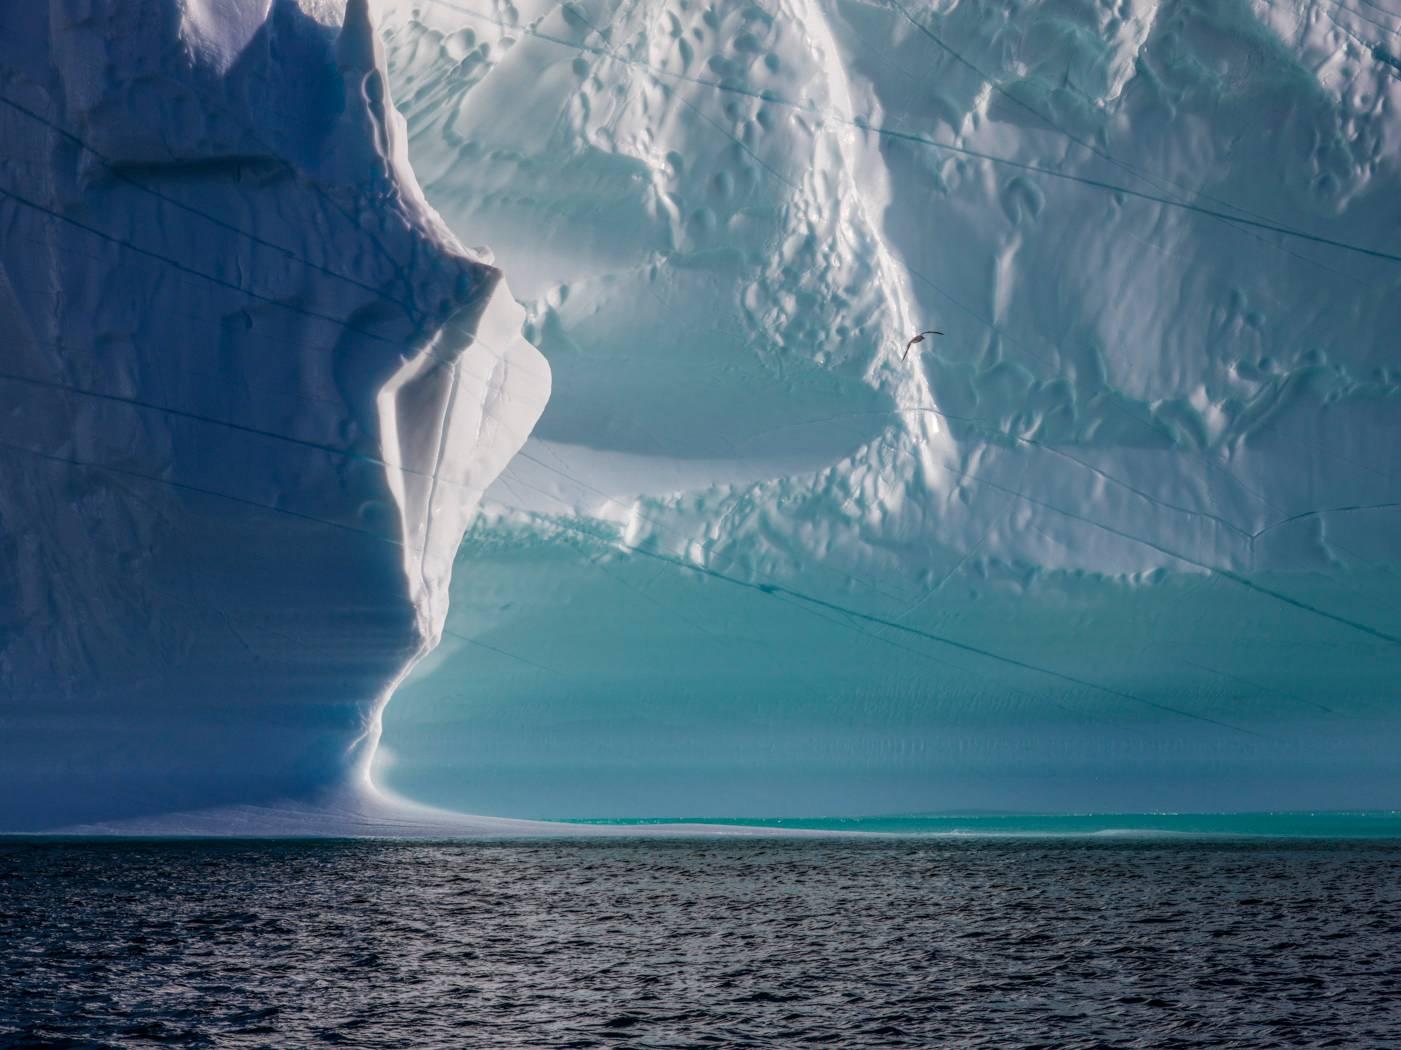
251, 389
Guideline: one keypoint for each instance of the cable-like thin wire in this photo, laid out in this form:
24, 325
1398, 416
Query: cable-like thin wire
921, 140
120, 173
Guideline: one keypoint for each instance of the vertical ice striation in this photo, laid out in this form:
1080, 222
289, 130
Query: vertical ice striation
251, 390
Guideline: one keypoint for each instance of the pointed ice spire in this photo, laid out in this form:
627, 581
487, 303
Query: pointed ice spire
366, 125
356, 48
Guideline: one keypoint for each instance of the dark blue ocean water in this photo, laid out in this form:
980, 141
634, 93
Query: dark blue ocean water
933, 942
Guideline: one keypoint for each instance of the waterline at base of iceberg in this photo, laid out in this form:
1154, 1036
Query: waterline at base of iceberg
1366, 824
345, 814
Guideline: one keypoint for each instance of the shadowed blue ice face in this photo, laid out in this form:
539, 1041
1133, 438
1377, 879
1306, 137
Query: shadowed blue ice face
266, 641
208, 277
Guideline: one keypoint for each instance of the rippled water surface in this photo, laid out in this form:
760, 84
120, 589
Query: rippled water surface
993, 943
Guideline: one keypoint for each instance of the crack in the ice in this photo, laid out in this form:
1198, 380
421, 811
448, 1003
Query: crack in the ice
121, 175
185, 486
1217, 570
1325, 510
282, 304
773, 589
500, 652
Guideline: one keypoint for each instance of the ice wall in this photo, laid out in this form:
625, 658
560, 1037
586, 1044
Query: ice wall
1126, 537
251, 389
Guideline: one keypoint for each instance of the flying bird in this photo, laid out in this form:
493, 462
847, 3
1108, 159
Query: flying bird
917, 339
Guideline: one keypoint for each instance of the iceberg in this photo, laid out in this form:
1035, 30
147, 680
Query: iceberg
251, 392
671, 525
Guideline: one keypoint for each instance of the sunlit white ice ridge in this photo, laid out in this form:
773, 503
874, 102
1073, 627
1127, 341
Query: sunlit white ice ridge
1124, 537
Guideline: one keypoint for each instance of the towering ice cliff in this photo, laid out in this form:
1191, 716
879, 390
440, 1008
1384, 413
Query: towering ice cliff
251, 390
1125, 537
